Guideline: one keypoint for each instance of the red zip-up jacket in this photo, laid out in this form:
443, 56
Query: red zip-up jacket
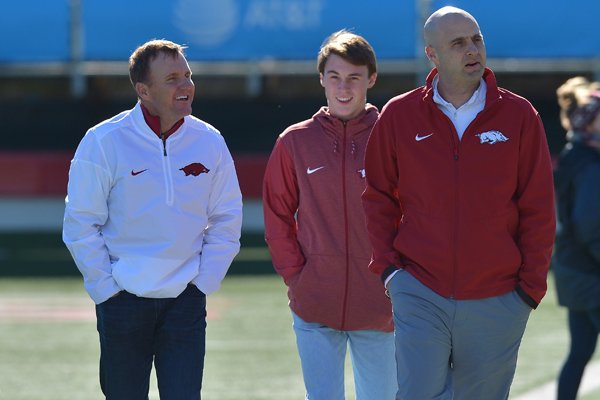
315, 225
470, 218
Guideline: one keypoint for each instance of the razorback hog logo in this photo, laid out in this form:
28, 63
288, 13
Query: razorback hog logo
195, 169
491, 137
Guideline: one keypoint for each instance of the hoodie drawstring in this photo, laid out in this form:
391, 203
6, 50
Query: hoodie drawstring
353, 148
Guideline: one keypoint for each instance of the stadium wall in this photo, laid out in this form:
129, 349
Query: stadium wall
32, 195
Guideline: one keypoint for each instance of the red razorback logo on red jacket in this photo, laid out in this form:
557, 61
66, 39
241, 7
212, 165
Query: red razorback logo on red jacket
194, 169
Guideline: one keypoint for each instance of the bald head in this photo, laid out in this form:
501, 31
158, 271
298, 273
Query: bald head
454, 44
441, 18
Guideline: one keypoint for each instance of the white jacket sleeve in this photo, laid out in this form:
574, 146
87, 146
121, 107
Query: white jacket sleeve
86, 212
222, 235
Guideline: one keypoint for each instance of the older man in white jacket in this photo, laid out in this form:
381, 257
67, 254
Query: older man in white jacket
152, 220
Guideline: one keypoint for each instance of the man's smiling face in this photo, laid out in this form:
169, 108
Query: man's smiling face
346, 87
169, 91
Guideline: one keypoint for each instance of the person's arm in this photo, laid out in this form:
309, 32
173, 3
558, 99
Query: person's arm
380, 199
586, 211
535, 202
222, 235
86, 211
280, 204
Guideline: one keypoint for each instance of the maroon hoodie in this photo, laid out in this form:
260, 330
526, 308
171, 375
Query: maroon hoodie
315, 224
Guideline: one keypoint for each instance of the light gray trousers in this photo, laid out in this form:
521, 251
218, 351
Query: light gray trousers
454, 349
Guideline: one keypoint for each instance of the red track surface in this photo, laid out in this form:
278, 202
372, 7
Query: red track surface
45, 173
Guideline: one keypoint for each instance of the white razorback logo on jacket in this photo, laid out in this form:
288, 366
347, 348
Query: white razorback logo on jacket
491, 137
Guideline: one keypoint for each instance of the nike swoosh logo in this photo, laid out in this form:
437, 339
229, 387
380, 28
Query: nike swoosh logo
312, 171
419, 138
134, 173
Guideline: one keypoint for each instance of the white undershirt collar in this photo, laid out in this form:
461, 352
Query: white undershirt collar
461, 117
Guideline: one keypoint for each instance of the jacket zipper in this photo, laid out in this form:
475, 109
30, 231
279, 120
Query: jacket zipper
347, 260
167, 172
455, 150
455, 145
164, 142
455, 155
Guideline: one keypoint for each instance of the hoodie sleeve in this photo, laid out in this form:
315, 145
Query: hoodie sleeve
380, 200
280, 203
537, 216
222, 235
86, 211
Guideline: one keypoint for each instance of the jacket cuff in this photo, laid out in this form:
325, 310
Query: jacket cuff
526, 298
387, 272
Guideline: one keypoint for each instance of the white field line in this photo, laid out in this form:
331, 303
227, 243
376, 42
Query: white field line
589, 383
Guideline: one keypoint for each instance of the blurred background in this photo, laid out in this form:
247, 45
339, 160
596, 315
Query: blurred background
63, 69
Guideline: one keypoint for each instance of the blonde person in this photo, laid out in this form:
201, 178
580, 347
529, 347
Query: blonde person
576, 260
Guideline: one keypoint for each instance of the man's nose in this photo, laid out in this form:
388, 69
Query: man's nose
344, 83
188, 82
472, 48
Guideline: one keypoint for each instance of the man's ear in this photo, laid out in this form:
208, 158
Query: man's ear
430, 53
142, 90
372, 80
321, 79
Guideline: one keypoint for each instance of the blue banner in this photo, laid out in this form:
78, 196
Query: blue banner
246, 29
34, 30
535, 28
243, 30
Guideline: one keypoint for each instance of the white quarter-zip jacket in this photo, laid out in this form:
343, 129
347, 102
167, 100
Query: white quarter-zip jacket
150, 217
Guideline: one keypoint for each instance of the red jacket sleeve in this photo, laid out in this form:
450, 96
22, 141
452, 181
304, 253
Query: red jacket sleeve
537, 217
280, 203
380, 200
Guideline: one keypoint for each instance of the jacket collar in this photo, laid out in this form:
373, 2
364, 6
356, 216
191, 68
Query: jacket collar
492, 94
364, 121
153, 123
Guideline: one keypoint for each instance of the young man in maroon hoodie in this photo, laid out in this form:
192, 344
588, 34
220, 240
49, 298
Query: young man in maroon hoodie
460, 212
316, 233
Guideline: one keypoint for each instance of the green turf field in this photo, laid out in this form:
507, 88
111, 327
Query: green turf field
49, 345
